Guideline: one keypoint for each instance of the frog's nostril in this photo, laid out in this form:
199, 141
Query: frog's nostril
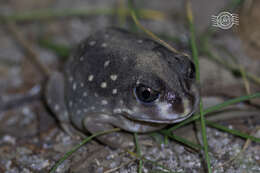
175, 101
170, 96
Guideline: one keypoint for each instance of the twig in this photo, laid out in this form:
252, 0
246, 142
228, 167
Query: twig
31, 55
152, 35
45, 14
246, 145
121, 15
246, 83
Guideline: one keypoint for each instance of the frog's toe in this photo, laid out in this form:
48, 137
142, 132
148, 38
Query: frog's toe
71, 131
117, 140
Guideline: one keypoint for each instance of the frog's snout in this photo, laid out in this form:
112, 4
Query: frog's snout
175, 108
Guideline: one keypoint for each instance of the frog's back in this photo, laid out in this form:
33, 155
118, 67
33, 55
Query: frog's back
101, 64
99, 70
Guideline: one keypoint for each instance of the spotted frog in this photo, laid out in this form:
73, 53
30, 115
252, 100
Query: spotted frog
118, 79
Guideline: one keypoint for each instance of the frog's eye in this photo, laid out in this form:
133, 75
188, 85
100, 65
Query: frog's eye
145, 94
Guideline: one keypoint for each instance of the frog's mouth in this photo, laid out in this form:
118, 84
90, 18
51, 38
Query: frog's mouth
162, 114
166, 112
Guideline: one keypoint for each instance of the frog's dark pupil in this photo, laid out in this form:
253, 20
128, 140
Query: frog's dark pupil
146, 94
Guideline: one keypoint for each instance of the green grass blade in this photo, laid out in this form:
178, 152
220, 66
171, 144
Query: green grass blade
234, 4
138, 152
59, 49
232, 131
182, 140
230, 102
196, 61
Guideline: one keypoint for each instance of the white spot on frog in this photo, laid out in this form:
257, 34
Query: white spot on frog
114, 91
81, 58
106, 63
103, 85
70, 79
135, 109
105, 116
90, 78
85, 94
140, 41
66, 114
106, 36
74, 87
113, 77
82, 84
118, 110
78, 112
49, 101
104, 45
92, 43
56, 107
92, 108
85, 110
70, 104
104, 102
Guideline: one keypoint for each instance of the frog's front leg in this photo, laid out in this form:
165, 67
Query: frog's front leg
54, 95
97, 122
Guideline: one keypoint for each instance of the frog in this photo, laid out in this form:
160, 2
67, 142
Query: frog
119, 79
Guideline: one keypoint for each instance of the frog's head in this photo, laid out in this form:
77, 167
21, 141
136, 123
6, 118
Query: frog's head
164, 88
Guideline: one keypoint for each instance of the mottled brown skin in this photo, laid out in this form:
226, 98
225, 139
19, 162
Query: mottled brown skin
118, 79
